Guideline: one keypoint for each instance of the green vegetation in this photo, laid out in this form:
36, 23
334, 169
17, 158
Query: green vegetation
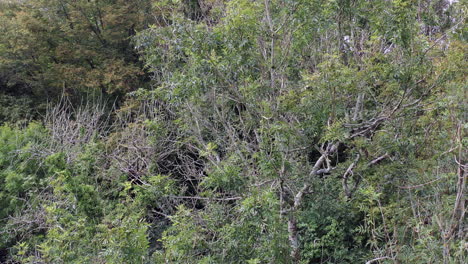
240, 131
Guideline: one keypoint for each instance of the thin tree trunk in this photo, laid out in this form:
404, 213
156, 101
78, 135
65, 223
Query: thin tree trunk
294, 239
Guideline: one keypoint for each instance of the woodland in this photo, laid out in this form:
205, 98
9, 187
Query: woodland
233, 131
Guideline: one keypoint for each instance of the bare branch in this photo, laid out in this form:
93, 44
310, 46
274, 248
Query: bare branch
377, 160
377, 259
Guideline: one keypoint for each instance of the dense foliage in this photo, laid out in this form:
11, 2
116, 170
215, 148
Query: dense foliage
240, 131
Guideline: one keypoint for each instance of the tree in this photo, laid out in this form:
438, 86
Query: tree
265, 132
76, 48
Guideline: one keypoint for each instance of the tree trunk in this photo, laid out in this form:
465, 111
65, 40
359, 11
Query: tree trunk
294, 239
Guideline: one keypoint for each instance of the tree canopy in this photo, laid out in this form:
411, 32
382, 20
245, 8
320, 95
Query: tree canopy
240, 131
